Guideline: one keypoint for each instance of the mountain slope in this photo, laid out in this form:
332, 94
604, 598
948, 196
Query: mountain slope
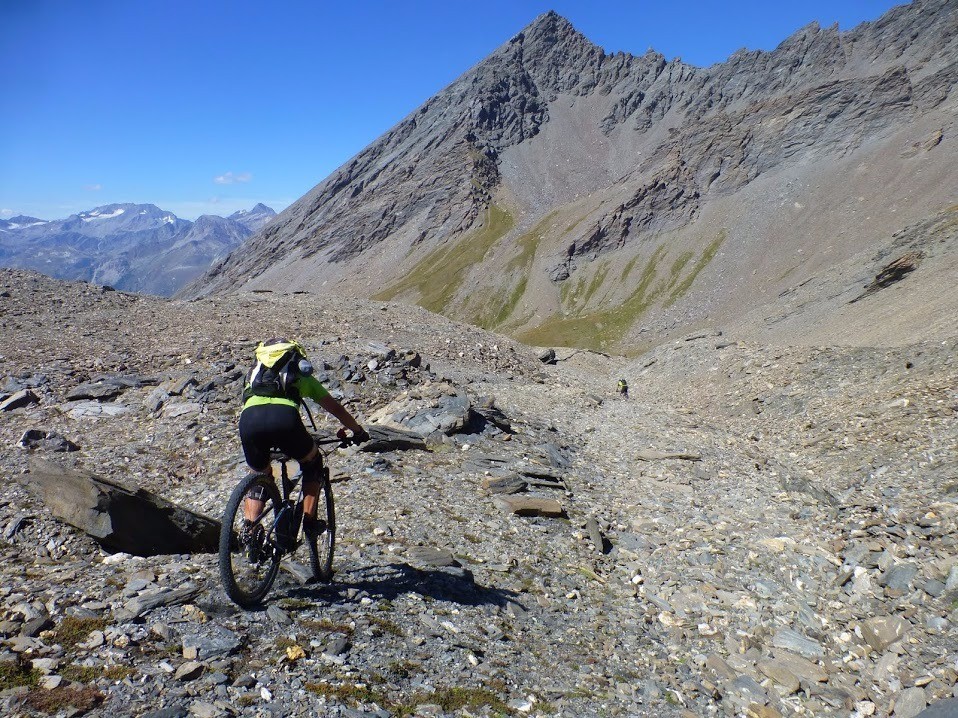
135, 247
568, 196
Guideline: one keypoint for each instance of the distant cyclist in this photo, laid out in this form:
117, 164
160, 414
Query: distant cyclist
623, 388
274, 389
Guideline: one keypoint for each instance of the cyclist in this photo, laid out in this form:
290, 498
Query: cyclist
273, 391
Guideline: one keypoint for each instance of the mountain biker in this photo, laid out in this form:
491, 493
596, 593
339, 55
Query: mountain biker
271, 419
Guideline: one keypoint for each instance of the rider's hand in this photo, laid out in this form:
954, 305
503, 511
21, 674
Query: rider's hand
357, 437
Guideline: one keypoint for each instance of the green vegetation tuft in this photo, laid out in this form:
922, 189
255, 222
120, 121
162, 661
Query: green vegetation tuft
627, 269
62, 697
454, 699
597, 279
707, 256
295, 604
347, 693
73, 630
326, 626
599, 329
439, 275
88, 674
386, 626
604, 328
499, 306
15, 673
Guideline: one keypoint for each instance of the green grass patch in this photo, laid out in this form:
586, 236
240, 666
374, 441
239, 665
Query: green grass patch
326, 626
88, 674
707, 256
499, 306
454, 699
295, 604
16, 673
439, 275
627, 269
600, 329
597, 279
604, 328
62, 697
73, 630
386, 625
348, 693
677, 266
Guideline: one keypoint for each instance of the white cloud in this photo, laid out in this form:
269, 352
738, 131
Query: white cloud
6, 212
93, 187
230, 178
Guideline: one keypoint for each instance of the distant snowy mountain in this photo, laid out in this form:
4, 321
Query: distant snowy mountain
133, 247
256, 218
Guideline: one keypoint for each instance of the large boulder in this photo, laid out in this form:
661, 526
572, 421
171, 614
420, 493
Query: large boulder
134, 521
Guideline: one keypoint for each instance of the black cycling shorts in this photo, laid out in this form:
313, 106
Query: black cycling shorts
272, 426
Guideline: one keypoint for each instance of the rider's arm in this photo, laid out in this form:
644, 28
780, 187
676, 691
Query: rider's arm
340, 412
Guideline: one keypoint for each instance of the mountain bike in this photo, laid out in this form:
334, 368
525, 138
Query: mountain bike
251, 549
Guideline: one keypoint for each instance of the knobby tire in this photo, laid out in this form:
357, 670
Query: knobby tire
321, 547
248, 570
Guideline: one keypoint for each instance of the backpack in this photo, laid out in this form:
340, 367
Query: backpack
279, 364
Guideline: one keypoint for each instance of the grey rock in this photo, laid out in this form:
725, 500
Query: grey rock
743, 691
189, 671
171, 712
19, 400
96, 410
529, 506
941, 709
47, 441
793, 641
503, 484
910, 703
278, 616
94, 390
898, 578
431, 556
137, 522
881, 631
212, 642
547, 356
951, 583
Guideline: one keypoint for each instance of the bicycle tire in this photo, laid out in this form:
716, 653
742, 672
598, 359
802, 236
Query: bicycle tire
322, 545
248, 565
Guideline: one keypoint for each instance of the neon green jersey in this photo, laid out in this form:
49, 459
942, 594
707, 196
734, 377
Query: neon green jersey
307, 386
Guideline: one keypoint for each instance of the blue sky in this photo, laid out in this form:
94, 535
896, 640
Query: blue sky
211, 106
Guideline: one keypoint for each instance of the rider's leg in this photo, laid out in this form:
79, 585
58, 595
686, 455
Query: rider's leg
255, 499
310, 465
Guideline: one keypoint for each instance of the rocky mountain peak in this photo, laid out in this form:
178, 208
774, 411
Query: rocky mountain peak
556, 169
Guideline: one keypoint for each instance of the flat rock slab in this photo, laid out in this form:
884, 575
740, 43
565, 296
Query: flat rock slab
791, 640
94, 390
95, 410
655, 455
881, 631
134, 521
431, 556
19, 400
530, 506
210, 641
503, 484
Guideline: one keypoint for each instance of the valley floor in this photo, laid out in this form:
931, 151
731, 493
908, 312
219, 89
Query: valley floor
755, 531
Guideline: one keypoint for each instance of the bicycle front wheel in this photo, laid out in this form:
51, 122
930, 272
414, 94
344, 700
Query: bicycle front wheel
322, 542
249, 556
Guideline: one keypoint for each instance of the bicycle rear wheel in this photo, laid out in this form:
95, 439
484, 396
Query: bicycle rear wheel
249, 556
322, 543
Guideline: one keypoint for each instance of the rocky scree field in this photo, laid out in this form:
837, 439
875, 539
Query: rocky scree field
757, 530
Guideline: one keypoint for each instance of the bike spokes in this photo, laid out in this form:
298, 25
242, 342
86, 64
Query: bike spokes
249, 555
